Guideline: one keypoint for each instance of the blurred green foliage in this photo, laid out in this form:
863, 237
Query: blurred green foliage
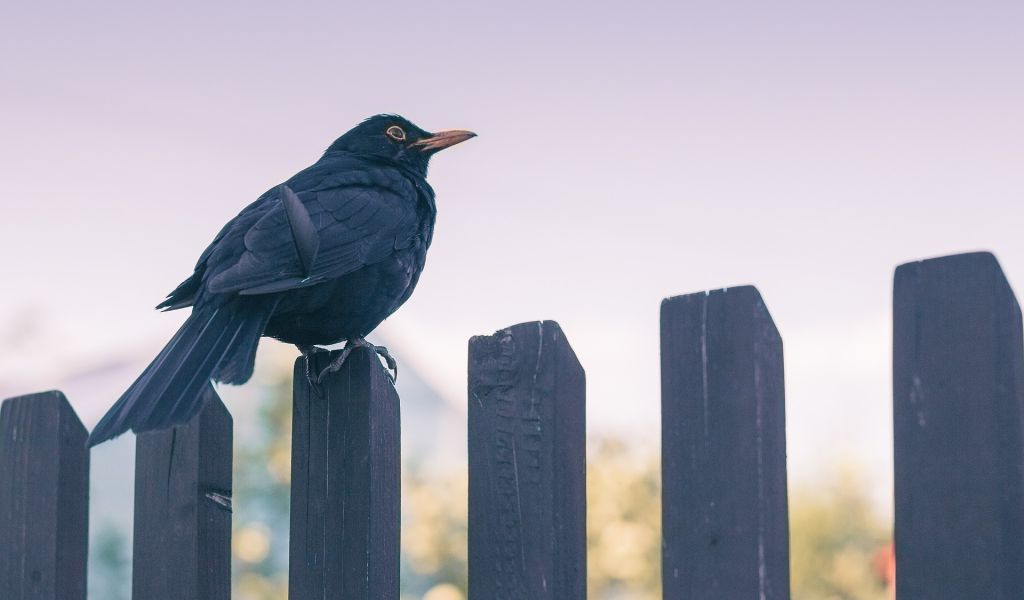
262, 475
838, 543
110, 556
623, 522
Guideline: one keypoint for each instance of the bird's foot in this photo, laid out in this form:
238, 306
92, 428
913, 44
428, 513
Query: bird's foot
360, 343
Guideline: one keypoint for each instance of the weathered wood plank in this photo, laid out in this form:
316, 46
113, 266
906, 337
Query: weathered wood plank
958, 416
44, 499
527, 463
346, 482
724, 508
182, 545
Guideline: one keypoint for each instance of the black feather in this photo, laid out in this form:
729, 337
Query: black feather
304, 233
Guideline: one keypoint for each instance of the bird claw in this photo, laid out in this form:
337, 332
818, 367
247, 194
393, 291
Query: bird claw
389, 361
309, 372
337, 363
307, 353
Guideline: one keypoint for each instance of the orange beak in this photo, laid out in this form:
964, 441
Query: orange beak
442, 139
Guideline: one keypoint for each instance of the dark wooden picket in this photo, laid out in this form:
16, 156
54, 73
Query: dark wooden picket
724, 508
346, 483
182, 540
958, 390
44, 499
527, 461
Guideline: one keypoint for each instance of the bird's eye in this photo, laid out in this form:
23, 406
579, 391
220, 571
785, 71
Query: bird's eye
396, 133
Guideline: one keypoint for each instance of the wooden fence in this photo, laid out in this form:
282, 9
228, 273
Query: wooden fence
958, 400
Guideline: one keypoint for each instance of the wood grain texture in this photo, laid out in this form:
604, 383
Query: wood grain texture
527, 466
958, 416
44, 499
182, 540
346, 482
724, 507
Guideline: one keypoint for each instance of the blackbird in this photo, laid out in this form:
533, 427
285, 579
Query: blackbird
322, 258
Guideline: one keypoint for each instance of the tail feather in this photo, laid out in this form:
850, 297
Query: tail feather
215, 342
240, 355
175, 370
179, 390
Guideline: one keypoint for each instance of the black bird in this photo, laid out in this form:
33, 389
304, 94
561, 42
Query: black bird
322, 258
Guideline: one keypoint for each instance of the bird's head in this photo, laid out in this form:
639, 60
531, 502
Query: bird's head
396, 139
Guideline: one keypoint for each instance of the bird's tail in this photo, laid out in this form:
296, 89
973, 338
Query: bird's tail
216, 342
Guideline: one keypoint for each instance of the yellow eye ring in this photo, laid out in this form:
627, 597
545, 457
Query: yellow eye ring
396, 133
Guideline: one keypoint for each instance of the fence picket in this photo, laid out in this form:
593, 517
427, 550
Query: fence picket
527, 460
724, 508
182, 539
44, 499
958, 416
345, 496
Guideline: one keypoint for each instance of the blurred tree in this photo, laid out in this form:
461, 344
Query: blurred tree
623, 522
262, 473
836, 538
110, 572
434, 534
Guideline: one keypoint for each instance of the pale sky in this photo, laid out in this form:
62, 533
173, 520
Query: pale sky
627, 152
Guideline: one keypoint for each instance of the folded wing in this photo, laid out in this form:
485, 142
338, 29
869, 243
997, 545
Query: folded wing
346, 224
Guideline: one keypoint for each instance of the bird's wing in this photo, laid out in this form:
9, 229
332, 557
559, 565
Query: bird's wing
360, 218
